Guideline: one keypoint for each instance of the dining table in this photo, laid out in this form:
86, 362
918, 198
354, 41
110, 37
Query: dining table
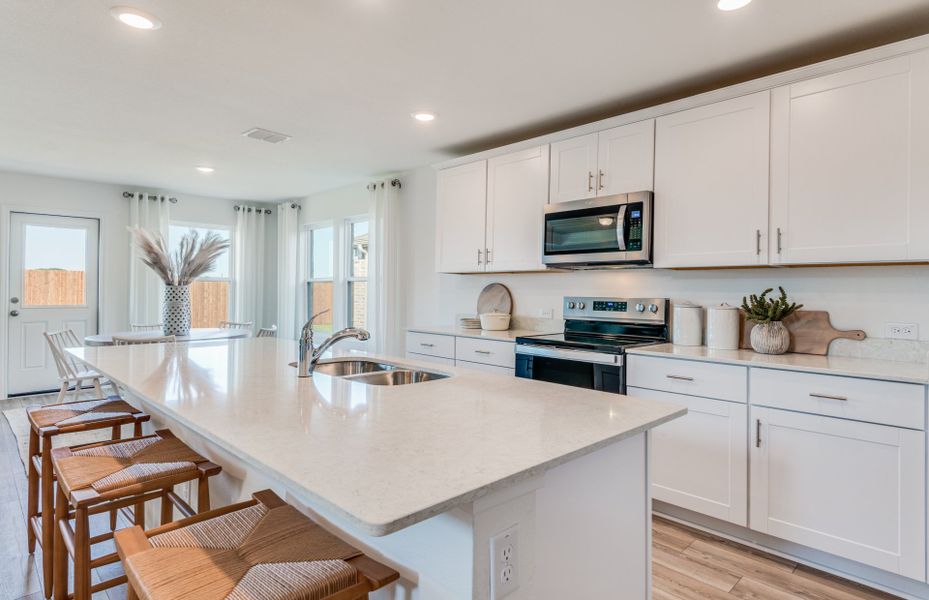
199, 334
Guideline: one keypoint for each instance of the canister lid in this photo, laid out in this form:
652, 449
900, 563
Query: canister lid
724, 306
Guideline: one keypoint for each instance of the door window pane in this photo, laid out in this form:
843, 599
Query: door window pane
319, 295
321, 253
360, 249
358, 303
54, 266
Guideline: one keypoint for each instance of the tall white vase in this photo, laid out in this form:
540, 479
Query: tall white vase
176, 310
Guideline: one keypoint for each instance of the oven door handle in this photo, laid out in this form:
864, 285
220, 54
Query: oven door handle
566, 354
621, 227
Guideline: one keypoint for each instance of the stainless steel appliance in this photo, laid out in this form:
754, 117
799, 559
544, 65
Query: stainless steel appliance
609, 232
591, 351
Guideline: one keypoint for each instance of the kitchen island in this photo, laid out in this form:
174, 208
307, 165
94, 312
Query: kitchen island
423, 475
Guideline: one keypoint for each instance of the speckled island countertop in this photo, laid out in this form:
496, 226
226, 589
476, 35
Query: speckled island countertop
886, 370
383, 457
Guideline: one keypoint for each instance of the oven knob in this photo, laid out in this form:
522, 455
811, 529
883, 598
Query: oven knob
581, 305
571, 305
640, 307
653, 308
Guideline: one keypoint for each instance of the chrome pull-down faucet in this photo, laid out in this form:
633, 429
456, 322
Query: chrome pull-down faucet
308, 356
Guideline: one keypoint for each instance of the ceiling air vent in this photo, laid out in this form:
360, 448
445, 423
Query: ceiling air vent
266, 135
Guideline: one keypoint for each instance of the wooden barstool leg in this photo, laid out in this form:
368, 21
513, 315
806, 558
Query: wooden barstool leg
137, 430
167, 508
32, 499
139, 513
48, 515
81, 554
130, 593
117, 434
61, 558
203, 493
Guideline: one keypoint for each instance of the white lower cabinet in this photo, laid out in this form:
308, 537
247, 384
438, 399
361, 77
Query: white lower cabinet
851, 489
426, 358
484, 367
700, 461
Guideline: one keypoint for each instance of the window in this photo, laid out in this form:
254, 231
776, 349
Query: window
55, 262
338, 274
209, 294
320, 286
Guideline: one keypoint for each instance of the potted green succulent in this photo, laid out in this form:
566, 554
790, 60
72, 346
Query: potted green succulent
769, 335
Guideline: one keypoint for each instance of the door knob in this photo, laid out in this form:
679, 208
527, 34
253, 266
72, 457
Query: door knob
14, 313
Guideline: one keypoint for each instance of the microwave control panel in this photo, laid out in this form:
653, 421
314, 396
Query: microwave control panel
634, 227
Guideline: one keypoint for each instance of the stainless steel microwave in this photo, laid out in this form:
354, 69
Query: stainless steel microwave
609, 232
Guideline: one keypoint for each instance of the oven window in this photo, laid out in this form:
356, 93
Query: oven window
567, 372
582, 232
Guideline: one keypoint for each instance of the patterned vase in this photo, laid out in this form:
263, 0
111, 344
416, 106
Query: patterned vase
175, 313
770, 338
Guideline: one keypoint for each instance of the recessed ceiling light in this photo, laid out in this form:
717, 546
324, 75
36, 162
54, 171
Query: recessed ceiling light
134, 17
204, 169
424, 116
731, 4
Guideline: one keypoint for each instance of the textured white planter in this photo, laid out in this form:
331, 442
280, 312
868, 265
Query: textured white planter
175, 312
770, 338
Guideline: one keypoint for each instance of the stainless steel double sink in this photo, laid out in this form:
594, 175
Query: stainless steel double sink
374, 372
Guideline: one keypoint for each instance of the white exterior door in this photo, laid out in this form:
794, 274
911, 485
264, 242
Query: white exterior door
53, 283
517, 192
700, 461
461, 206
626, 159
849, 488
848, 165
711, 184
574, 169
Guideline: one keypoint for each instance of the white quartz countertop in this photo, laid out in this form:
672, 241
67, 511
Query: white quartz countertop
382, 457
508, 335
887, 370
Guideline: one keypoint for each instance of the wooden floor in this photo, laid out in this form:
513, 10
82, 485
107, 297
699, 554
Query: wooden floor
688, 565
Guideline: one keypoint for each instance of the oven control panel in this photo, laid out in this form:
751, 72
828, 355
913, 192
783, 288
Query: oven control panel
642, 310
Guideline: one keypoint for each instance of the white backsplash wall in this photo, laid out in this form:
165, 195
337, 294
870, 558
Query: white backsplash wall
856, 297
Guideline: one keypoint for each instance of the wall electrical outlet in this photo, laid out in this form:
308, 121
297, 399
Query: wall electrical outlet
547, 313
504, 563
901, 331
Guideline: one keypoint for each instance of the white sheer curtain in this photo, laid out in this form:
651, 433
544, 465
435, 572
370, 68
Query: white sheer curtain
151, 213
384, 299
291, 294
248, 264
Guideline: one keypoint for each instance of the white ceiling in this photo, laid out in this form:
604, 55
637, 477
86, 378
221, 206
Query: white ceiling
83, 96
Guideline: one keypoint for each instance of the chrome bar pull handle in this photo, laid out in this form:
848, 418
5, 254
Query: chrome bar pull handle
590, 181
600, 177
778, 240
758, 433
828, 397
680, 377
758, 242
479, 254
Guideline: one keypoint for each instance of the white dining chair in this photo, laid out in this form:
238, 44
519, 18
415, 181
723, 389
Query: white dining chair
155, 327
134, 341
267, 332
71, 371
233, 325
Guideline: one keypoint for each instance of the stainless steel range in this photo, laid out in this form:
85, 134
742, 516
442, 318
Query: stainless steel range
591, 351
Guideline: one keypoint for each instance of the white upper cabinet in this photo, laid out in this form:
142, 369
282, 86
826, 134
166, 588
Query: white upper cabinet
849, 156
711, 184
574, 169
615, 161
517, 192
461, 199
626, 159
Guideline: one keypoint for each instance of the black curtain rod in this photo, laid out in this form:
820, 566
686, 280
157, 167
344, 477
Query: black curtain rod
172, 199
393, 183
266, 211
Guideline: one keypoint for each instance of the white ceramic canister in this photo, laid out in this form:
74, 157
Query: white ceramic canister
688, 324
722, 327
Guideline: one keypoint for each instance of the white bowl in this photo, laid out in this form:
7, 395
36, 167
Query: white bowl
495, 321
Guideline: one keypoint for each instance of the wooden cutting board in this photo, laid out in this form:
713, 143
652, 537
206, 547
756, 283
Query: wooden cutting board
810, 332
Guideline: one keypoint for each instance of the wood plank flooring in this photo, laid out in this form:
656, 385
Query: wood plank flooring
687, 564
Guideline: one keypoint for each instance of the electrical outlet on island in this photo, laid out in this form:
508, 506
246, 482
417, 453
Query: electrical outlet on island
504, 563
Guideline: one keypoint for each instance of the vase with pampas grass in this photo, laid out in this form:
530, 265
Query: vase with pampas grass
194, 257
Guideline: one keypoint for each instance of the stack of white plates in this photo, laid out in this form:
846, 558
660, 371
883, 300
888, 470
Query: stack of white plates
469, 322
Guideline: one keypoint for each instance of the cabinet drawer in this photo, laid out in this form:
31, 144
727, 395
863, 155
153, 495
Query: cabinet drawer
487, 352
436, 360
884, 402
485, 368
710, 380
431, 344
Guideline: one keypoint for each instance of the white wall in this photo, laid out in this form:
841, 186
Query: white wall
856, 297
341, 203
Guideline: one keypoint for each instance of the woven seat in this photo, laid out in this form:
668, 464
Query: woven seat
45, 424
262, 549
113, 475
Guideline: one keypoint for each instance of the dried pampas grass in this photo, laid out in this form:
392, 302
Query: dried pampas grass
193, 258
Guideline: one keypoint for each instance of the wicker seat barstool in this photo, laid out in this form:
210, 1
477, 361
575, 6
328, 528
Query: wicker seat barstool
45, 424
263, 548
96, 478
